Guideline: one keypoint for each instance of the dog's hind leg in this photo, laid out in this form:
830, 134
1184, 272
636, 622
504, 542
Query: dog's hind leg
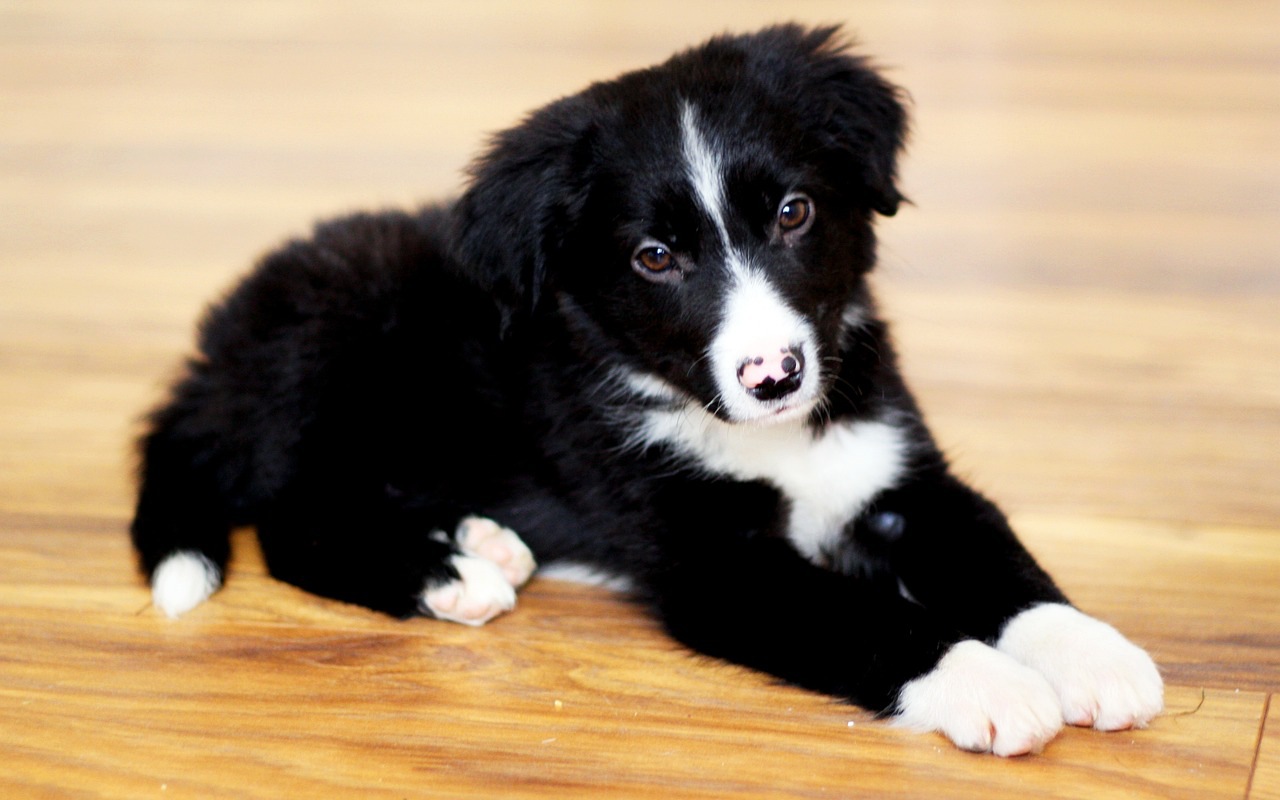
396, 562
182, 524
483, 538
477, 595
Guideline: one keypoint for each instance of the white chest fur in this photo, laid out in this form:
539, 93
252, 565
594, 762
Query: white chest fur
828, 477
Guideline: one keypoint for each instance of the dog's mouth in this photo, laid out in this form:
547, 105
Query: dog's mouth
776, 412
789, 405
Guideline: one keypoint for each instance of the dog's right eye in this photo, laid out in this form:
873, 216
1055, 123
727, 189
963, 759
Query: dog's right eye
654, 261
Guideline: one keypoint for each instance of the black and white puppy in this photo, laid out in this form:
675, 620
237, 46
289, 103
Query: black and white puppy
641, 342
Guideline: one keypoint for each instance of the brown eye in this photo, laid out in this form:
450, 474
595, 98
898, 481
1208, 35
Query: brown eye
655, 259
795, 213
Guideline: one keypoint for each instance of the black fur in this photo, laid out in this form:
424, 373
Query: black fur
398, 371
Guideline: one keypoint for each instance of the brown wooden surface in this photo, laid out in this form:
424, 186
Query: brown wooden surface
1087, 295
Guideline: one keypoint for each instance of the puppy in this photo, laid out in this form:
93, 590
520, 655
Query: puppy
640, 342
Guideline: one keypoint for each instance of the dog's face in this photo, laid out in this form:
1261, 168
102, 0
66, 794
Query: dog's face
706, 223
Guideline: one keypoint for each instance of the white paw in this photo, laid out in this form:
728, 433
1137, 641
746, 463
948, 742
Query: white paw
480, 593
484, 538
183, 581
1101, 678
983, 701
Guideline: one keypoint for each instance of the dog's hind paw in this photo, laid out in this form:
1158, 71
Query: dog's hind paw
479, 593
183, 581
1103, 680
484, 538
982, 700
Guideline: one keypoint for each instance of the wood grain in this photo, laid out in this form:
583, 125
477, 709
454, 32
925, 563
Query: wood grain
1085, 292
577, 692
1266, 774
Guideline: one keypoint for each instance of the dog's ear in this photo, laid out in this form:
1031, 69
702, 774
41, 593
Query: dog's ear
525, 192
865, 119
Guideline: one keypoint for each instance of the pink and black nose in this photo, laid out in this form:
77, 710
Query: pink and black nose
773, 374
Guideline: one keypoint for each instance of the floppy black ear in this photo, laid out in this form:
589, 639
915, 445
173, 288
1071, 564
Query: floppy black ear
864, 117
524, 194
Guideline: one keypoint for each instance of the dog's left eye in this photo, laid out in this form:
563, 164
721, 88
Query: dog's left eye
795, 213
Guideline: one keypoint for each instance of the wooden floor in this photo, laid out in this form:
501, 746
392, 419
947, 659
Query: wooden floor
1087, 294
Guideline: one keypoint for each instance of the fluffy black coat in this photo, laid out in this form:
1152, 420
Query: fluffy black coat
368, 388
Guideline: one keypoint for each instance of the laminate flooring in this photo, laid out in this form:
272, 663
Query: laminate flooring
1086, 296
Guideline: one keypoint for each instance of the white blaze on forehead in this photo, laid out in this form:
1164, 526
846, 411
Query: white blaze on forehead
755, 319
705, 170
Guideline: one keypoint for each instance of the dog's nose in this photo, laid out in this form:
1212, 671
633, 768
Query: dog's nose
773, 375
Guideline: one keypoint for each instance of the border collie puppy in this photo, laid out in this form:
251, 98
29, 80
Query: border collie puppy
642, 343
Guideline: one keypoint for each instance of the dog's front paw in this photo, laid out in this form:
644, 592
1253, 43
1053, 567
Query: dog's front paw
983, 701
1102, 679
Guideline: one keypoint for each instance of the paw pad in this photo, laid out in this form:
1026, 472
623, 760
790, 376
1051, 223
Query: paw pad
483, 538
479, 593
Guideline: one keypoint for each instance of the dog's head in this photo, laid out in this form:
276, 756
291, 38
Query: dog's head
705, 223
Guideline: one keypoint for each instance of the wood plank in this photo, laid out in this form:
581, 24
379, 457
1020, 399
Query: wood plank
1136, 575
1098, 391
1265, 784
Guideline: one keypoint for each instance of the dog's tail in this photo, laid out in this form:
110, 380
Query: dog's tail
181, 529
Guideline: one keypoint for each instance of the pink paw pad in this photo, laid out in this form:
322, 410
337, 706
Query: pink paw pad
483, 538
479, 594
